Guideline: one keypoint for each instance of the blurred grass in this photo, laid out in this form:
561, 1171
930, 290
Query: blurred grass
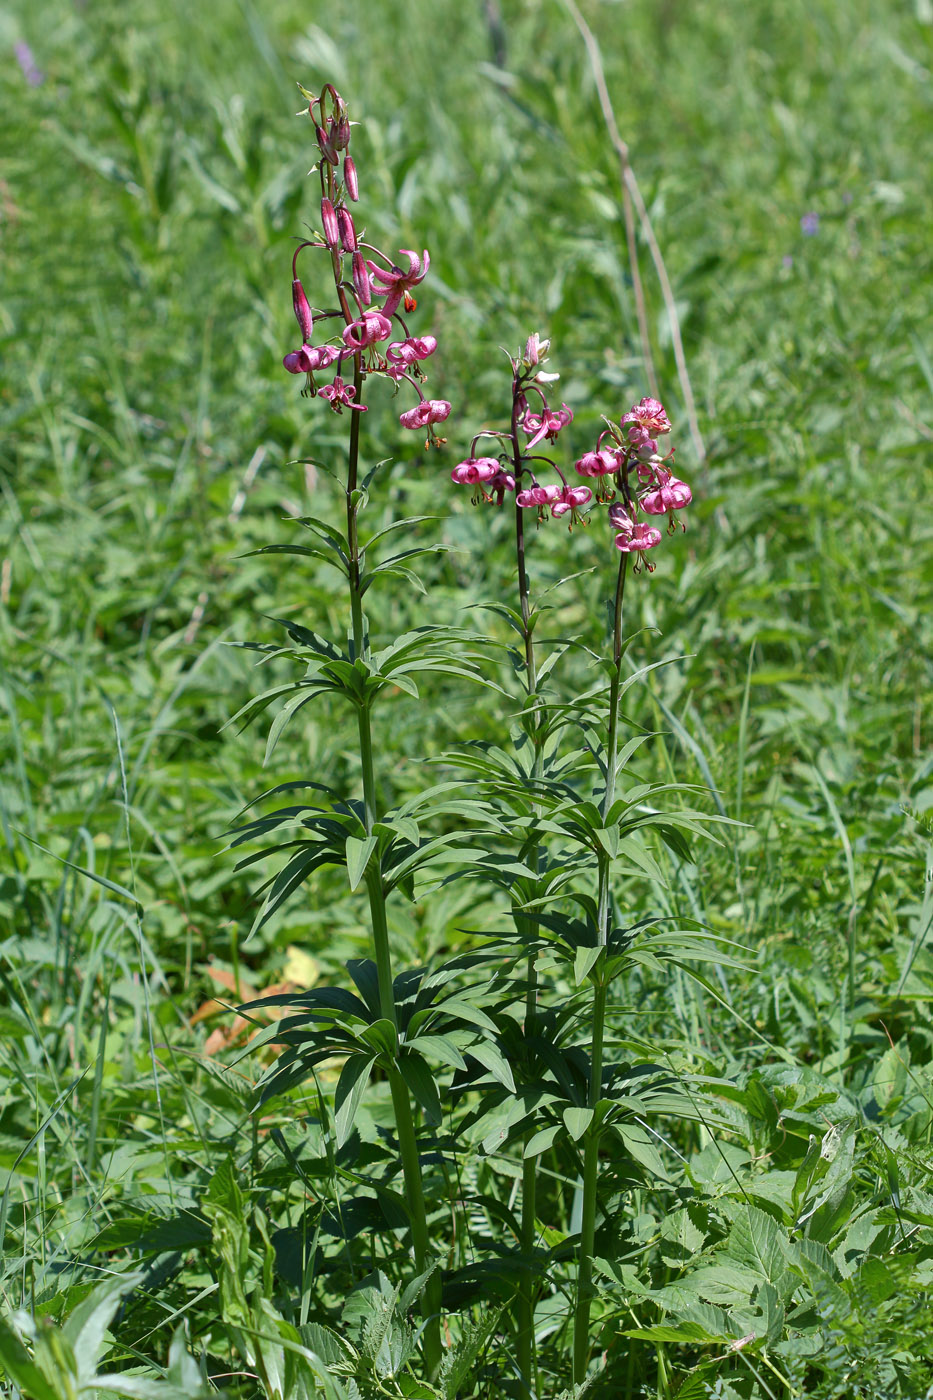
150, 188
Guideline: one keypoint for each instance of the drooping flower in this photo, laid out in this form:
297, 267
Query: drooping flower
547, 423
637, 537
673, 495
310, 358
534, 497
475, 469
371, 326
410, 350
396, 284
424, 413
571, 499
340, 396
599, 463
650, 415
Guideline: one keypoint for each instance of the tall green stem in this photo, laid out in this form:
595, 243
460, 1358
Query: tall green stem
526, 1301
401, 1100
581, 1324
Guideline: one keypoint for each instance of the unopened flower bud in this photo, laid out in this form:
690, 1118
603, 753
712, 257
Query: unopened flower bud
326, 145
329, 220
362, 283
349, 175
302, 310
535, 350
347, 231
340, 134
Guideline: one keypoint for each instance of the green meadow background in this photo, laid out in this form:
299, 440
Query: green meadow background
150, 190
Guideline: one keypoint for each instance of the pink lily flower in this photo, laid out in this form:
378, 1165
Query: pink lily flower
650, 415
309, 358
534, 496
474, 469
571, 499
637, 537
396, 284
673, 495
371, 326
339, 396
426, 412
407, 352
547, 424
599, 463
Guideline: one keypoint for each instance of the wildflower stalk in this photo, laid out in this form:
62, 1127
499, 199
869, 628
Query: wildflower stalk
581, 1325
401, 1100
527, 1360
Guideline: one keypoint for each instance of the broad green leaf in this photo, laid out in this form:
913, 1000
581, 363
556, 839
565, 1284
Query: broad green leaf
350, 1087
358, 852
543, 1140
584, 960
21, 1368
576, 1121
418, 1077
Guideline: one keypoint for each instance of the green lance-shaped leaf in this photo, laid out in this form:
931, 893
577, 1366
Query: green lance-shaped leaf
418, 1077
349, 1092
22, 1369
358, 852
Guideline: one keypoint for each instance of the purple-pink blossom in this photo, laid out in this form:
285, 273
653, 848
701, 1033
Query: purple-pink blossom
547, 423
571, 499
535, 496
310, 358
27, 63
371, 326
362, 284
350, 178
649, 414
397, 284
599, 463
673, 495
340, 396
426, 412
475, 469
410, 350
637, 536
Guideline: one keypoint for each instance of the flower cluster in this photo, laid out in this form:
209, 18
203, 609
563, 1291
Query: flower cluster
625, 464
371, 298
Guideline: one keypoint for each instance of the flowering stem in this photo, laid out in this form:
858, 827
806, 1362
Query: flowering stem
401, 1101
581, 1327
527, 1363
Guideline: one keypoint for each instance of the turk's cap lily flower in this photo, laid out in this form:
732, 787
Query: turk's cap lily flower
309, 358
648, 414
302, 310
371, 326
475, 469
637, 537
409, 351
547, 424
673, 495
340, 396
397, 284
535, 496
426, 412
571, 499
599, 463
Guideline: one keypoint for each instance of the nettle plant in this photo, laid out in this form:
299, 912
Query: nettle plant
521, 1099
